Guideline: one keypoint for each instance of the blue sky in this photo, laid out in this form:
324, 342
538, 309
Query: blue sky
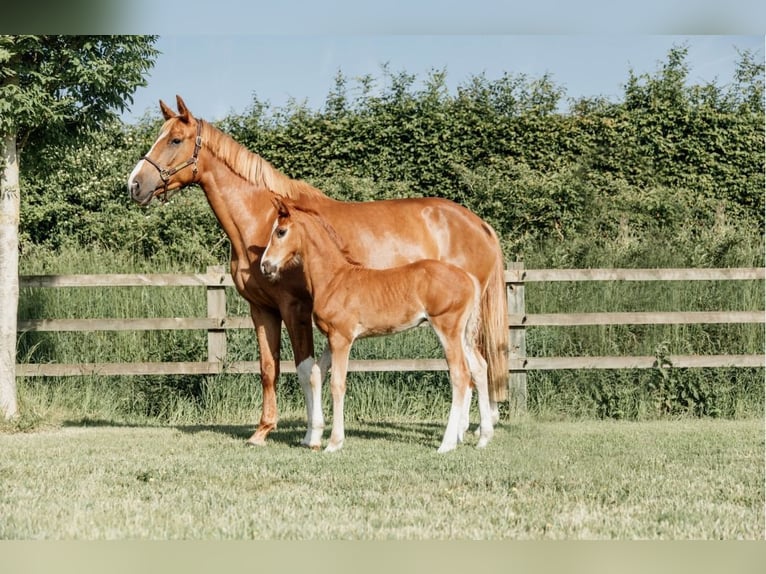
220, 74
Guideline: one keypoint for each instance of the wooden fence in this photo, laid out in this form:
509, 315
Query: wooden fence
216, 280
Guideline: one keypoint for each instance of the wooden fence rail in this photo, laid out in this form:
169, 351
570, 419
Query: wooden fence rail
216, 280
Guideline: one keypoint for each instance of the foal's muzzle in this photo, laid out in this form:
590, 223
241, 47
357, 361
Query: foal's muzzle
268, 269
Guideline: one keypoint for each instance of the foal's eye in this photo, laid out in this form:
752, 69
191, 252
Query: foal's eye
176, 141
281, 232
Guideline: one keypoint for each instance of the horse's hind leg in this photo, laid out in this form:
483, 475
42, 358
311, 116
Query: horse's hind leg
312, 389
478, 368
310, 375
466, 414
460, 380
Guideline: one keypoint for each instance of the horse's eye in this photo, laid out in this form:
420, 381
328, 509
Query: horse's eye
281, 232
176, 141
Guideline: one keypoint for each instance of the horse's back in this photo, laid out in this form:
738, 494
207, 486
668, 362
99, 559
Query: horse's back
394, 232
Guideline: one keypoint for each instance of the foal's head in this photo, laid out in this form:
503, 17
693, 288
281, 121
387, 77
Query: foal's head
285, 245
296, 228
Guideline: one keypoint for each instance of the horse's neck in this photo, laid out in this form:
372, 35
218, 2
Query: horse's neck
240, 207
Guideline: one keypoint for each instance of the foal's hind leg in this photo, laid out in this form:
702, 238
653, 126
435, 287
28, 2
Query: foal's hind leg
340, 347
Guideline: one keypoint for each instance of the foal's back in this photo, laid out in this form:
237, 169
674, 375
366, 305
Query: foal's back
367, 302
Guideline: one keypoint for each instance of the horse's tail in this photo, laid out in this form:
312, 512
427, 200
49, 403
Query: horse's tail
493, 332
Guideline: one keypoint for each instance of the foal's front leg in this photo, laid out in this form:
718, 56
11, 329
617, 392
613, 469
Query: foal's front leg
340, 348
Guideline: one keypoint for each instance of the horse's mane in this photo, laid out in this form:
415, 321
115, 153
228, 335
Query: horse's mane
331, 232
252, 167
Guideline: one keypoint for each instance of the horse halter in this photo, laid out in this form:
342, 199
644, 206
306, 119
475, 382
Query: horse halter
166, 174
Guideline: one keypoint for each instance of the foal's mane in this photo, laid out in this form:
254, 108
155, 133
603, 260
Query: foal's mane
252, 167
331, 232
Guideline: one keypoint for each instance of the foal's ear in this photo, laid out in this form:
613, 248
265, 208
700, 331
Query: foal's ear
183, 112
167, 113
279, 205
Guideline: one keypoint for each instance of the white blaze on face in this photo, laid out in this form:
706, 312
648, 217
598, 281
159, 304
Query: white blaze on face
268, 245
140, 164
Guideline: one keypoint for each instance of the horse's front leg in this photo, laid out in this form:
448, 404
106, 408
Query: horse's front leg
310, 373
268, 326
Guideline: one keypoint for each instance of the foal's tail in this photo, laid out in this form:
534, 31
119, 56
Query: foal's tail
493, 332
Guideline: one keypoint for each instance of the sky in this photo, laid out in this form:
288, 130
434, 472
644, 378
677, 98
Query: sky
220, 74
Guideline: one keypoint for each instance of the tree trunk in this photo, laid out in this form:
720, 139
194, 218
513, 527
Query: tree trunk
9, 273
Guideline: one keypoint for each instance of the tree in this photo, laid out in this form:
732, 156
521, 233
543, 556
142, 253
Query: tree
52, 88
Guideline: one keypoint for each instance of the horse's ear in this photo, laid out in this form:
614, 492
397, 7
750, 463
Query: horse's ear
183, 112
167, 113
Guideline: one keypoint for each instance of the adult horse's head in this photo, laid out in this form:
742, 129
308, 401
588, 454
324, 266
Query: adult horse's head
171, 163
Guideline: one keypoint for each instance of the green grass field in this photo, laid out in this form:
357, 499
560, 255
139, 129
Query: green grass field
682, 479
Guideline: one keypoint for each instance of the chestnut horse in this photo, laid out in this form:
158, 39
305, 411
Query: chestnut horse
352, 301
239, 186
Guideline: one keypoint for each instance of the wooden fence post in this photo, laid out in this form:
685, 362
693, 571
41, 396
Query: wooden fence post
517, 339
216, 309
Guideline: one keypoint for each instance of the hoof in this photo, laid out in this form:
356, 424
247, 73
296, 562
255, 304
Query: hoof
313, 439
260, 434
484, 438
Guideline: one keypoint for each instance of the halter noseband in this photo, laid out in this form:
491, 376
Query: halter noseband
166, 174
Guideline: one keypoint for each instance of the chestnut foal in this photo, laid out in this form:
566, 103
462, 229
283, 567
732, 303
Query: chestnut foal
351, 301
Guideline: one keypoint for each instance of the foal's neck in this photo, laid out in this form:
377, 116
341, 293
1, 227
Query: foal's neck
323, 260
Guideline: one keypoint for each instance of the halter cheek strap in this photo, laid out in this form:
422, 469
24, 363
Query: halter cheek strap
166, 174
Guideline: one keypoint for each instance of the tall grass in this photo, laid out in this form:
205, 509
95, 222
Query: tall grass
632, 394
637, 394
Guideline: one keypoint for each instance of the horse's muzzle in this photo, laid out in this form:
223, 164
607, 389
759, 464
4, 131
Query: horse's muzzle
135, 192
139, 194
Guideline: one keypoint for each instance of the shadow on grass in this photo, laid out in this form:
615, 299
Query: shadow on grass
290, 432
86, 422
410, 432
